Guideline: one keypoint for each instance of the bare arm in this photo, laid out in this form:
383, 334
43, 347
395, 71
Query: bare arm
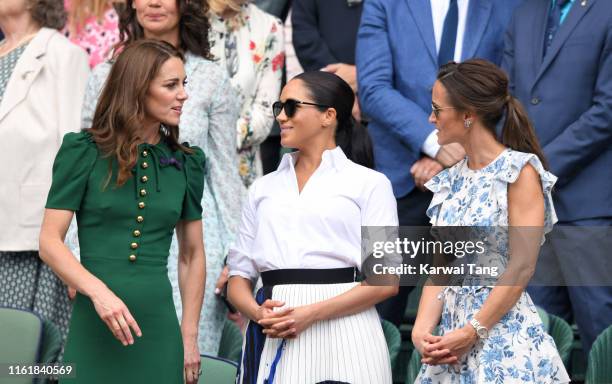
428, 314
191, 274
192, 279
526, 219
53, 252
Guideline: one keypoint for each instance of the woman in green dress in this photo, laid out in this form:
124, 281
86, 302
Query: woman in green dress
131, 183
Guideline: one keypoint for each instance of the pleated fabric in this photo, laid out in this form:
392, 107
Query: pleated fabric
351, 349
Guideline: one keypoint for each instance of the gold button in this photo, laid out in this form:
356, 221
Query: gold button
145, 165
141, 205
145, 153
134, 245
140, 219
132, 257
143, 192
144, 179
136, 233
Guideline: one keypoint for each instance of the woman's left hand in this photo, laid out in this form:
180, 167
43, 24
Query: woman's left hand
291, 325
457, 342
192, 360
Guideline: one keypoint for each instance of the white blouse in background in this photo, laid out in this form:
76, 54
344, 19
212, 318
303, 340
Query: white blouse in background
318, 228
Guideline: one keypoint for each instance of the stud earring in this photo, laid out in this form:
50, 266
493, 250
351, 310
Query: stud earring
467, 123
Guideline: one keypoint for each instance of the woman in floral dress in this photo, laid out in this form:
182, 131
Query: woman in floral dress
94, 26
248, 43
486, 333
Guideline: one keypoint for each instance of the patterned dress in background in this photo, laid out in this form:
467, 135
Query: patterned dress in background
251, 48
518, 349
208, 115
25, 281
96, 36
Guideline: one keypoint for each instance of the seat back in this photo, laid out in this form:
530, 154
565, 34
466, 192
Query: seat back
545, 318
394, 340
230, 347
414, 366
563, 336
600, 357
21, 334
20, 338
216, 370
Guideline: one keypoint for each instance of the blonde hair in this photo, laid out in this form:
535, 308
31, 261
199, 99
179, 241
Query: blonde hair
81, 10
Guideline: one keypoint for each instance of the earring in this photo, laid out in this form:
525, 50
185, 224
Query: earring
467, 123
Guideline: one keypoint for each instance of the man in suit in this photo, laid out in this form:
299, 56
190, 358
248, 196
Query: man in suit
324, 37
558, 56
400, 46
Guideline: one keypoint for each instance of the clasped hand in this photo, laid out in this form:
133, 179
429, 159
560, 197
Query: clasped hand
447, 349
286, 323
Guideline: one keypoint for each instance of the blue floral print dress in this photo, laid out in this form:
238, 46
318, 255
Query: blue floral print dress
518, 349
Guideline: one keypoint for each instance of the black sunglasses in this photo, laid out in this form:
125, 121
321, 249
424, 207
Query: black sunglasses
290, 106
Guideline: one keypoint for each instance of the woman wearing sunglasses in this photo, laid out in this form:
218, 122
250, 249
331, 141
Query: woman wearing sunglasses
301, 232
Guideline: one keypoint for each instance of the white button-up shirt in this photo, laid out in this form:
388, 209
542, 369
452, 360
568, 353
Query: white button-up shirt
318, 228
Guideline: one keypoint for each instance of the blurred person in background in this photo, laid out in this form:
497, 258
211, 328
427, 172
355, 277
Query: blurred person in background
549, 40
94, 26
324, 38
270, 148
207, 119
400, 46
248, 43
42, 83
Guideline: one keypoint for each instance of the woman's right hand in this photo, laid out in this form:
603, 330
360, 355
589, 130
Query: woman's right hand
116, 316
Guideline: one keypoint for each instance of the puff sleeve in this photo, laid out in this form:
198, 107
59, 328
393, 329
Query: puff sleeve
510, 173
194, 172
71, 168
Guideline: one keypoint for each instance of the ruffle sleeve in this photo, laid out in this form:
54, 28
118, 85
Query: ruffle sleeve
440, 185
510, 173
195, 168
71, 168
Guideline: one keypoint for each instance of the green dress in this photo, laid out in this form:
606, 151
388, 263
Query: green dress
125, 234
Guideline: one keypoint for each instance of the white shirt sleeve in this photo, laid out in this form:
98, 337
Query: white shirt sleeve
239, 259
430, 146
380, 208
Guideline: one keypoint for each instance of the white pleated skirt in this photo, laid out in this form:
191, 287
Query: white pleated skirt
350, 349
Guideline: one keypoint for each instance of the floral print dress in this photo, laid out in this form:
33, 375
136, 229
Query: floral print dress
96, 36
518, 349
253, 55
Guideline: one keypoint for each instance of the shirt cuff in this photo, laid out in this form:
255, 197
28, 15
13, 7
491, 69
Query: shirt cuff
430, 146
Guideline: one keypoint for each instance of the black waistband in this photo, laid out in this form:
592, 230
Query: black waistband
309, 276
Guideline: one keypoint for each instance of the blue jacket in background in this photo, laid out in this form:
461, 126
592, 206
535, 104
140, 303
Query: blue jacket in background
568, 95
397, 65
324, 32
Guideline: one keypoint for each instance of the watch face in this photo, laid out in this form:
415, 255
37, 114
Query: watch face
482, 333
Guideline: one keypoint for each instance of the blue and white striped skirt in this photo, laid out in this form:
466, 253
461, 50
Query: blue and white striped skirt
351, 349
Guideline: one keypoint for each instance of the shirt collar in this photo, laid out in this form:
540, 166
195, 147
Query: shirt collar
332, 158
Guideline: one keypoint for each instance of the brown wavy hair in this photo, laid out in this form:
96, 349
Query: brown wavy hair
193, 27
120, 110
480, 86
48, 13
